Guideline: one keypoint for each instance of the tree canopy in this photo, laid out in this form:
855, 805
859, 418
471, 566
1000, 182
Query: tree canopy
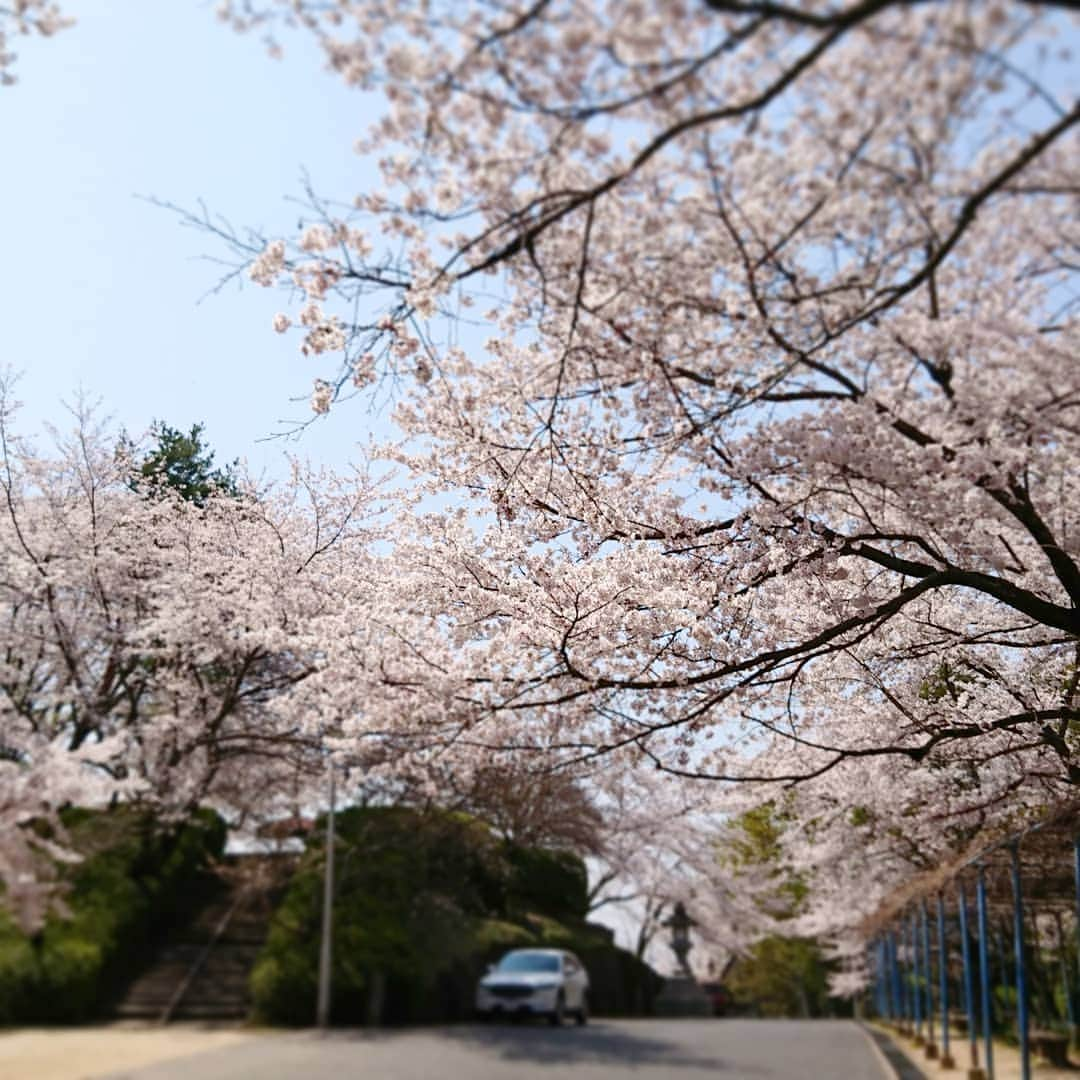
766, 474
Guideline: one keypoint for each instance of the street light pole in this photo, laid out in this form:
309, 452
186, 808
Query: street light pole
322, 1012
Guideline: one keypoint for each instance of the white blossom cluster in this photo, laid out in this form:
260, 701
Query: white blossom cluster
22, 17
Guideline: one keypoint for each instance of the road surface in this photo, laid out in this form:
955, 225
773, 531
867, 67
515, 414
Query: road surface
605, 1050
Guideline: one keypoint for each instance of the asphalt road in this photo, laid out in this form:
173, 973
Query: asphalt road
605, 1050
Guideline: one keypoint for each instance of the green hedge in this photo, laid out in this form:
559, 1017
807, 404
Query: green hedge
424, 901
134, 881
554, 883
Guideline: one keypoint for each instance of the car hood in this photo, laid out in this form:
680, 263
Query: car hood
521, 978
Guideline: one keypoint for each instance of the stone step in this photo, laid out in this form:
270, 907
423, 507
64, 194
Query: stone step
138, 1010
219, 989
181, 953
202, 1011
212, 981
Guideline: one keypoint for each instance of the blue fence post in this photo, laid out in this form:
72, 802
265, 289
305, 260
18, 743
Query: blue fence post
1070, 1005
891, 976
1076, 877
887, 979
881, 1006
943, 983
898, 986
984, 974
909, 983
969, 985
1021, 965
886, 974
928, 981
916, 989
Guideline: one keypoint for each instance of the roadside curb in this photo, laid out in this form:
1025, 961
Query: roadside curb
886, 1051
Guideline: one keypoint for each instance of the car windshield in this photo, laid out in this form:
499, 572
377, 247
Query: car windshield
528, 961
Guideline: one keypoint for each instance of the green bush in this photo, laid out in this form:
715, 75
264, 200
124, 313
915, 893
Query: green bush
782, 976
554, 883
134, 881
619, 983
423, 902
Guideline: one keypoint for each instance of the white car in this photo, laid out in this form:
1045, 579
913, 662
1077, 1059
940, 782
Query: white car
535, 982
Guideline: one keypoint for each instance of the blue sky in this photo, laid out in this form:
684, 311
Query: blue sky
99, 289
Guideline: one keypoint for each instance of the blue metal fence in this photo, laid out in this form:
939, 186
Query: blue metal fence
1013, 969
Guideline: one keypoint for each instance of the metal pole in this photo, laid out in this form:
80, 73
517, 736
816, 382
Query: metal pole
1076, 878
943, 983
886, 975
1021, 966
881, 998
984, 974
915, 988
1070, 1005
901, 977
322, 1012
897, 986
928, 988
887, 979
969, 982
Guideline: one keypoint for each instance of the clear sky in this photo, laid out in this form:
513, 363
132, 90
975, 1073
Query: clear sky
99, 289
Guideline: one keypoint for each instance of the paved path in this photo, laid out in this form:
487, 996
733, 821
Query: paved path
606, 1050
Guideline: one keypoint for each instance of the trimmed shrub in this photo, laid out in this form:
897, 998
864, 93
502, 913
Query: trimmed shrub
553, 883
424, 901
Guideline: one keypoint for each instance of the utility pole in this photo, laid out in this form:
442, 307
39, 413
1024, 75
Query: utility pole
322, 1012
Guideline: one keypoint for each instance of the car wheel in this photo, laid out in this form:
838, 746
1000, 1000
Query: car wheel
582, 1015
555, 1018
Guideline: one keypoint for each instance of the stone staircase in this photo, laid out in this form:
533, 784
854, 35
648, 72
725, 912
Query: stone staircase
201, 971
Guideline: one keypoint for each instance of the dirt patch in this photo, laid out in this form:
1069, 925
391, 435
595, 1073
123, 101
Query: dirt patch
86, 1052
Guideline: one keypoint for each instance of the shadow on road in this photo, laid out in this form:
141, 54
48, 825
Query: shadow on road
598, 1044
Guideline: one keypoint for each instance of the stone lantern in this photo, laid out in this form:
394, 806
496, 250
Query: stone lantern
680, 925
681, 995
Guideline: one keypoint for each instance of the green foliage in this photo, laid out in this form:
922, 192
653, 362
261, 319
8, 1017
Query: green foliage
181, 463
946, 681
553, 882
424, 900
753, 840
756, 840
134, 880
780, 977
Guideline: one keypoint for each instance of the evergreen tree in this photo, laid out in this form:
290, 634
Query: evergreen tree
179, 462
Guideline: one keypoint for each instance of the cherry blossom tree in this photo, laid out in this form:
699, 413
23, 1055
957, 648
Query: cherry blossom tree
767, 470
734, 342
778, 412
154, 649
